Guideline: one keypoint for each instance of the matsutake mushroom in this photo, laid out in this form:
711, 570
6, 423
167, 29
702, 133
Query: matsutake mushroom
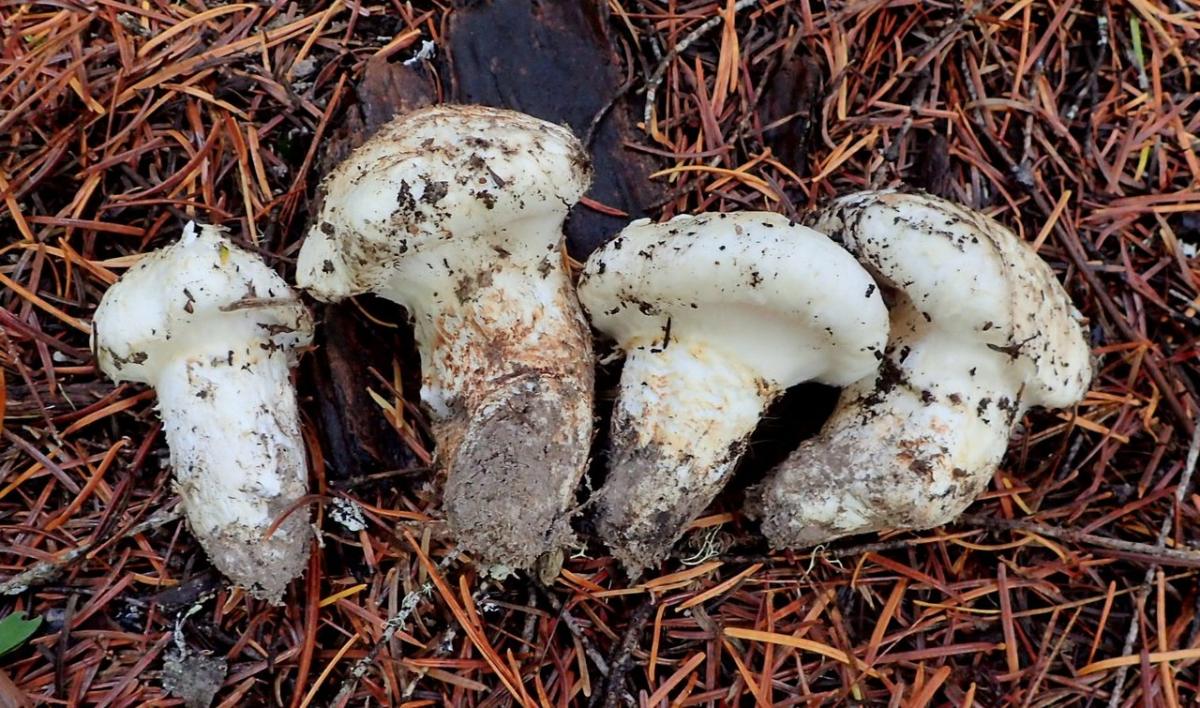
717, 315
456, 212
215, 332
980, 331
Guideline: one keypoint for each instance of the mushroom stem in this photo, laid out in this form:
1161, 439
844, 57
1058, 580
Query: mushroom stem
215, 331
980, 330
682, 419
509, 397
717, 314
894, 454
230, 418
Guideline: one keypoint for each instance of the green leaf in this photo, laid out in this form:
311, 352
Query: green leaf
15, 630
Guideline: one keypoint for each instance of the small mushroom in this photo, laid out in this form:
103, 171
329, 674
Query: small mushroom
456, 212
717, 315
215, 332
980, 331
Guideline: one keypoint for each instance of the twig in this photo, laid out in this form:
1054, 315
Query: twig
1096, 62
1157, 552
602, 113
45, 571
367, 479
679, 48
573, 626
826, 552
622, 657
394, 624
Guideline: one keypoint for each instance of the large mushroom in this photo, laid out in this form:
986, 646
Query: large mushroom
717, 315
215, 332
456, 212
980, 331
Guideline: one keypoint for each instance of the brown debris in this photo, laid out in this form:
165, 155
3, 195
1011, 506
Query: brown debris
790, 109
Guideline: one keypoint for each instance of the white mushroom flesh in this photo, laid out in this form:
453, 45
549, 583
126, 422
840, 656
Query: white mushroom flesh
717, 314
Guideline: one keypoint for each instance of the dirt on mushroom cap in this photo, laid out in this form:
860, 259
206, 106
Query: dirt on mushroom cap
426, 182
974, 273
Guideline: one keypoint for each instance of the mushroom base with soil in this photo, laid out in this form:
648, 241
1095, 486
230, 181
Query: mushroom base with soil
509, 393
456, 213
231, 424
980, 331
894, 454
215, 332
717, 314
678, 430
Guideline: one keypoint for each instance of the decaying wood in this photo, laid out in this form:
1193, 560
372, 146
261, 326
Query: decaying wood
791, 109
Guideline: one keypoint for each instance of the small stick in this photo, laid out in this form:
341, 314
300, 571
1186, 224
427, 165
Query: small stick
1156, 551
366, 479
394, 624
822, 551
622, 657
45, 571
573, 626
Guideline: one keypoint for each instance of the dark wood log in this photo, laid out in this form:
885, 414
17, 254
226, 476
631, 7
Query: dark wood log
791, 105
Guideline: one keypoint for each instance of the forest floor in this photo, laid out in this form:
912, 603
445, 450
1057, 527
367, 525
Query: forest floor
1074, 580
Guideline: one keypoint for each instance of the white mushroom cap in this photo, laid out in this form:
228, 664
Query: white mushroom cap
969, 277
784, 300
214, 331
200, 293
980, 331
456, 212
440, 183
718, 314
